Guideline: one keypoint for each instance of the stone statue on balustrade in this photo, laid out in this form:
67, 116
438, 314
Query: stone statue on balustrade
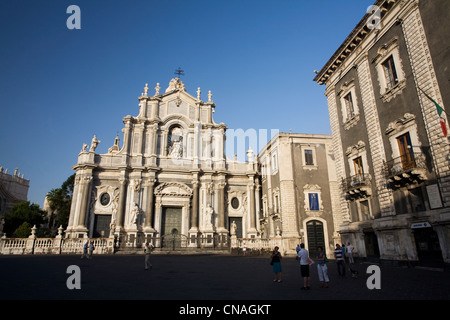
94, 144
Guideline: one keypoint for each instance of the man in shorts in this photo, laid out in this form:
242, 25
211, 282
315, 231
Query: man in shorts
303, 256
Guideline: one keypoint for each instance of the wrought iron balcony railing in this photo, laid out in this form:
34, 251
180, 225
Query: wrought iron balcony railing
356, 181
357, 186
405, 164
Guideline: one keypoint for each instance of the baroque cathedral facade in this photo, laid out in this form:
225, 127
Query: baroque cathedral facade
170, 176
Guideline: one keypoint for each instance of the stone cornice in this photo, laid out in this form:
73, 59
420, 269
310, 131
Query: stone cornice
351, 43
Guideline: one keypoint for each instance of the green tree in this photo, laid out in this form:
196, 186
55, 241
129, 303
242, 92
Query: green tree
23, 212
60, 200
23, 231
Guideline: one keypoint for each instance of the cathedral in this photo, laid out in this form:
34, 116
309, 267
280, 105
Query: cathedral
169, 177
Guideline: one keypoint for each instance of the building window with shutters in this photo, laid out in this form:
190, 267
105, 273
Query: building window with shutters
308, 157
349, 108
406, 153
390, 72
349, 104
274, 161
358, 165
388, 64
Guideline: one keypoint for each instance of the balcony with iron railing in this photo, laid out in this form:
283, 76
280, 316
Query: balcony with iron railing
357, 186
407, 169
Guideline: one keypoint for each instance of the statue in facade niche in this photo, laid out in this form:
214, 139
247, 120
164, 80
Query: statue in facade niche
233, 228
176, 143
176, 150
134, 214
208, 216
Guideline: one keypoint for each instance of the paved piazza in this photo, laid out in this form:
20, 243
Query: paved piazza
204, 277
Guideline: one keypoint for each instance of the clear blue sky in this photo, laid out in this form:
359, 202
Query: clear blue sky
59, 87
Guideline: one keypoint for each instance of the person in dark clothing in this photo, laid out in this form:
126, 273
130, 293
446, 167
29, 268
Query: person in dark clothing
276, 263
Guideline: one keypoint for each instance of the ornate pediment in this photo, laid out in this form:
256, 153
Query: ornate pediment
173, 189
384, 50
312, 187
400, 124
355, 149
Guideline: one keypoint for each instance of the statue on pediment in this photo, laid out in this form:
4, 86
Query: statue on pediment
176, 84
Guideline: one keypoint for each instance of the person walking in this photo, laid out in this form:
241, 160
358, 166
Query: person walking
303, 256
147, 250
85, 250
349, 250
276, 263
322, 268
91, 249
339, 260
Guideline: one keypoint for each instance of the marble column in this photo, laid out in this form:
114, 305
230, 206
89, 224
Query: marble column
122, 200
194, 212
197, 144
148, 228
252, 216
257, 203
251, 206
85, 193
221, 208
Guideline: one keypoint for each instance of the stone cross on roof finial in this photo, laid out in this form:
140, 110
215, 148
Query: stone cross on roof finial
179, 72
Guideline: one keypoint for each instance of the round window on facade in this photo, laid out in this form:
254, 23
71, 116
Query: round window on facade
235, 203
105, 199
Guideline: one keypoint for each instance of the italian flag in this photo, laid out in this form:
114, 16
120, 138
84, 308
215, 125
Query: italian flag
440, 110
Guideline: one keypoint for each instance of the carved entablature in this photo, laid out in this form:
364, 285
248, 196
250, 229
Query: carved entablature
173, 189
400, 124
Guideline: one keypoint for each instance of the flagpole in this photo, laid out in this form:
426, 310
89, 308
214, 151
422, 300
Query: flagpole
433, 101
438, 172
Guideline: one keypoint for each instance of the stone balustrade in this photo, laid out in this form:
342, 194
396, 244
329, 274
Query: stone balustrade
12, 246
256, 243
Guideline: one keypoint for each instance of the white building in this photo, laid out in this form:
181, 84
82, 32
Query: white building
169, 177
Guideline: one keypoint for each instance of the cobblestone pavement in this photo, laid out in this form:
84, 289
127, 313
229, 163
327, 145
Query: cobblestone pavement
205, 277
